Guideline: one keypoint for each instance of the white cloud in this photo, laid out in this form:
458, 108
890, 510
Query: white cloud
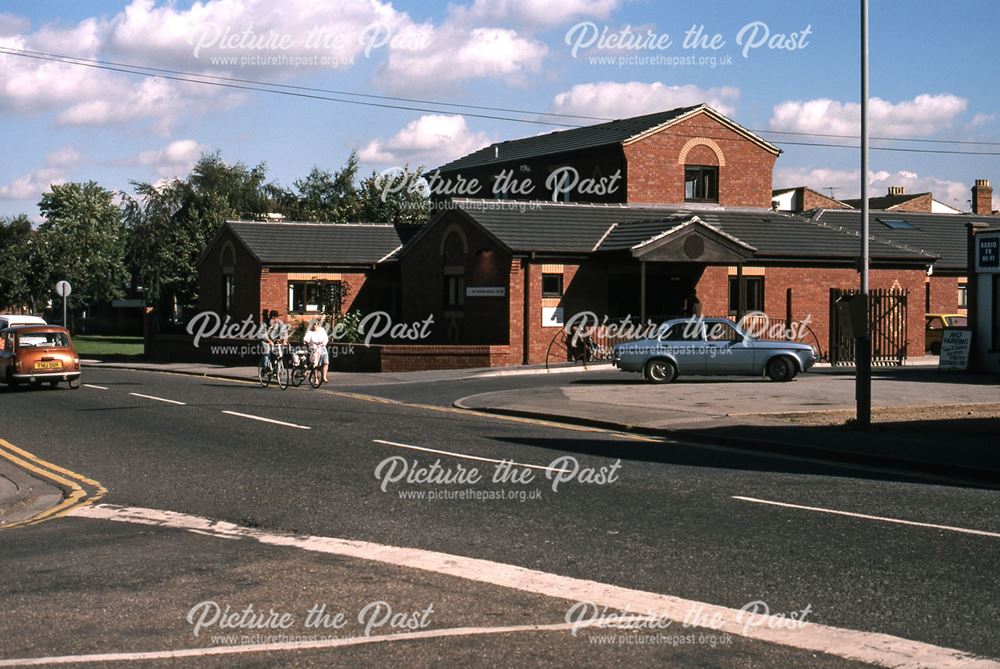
174, 160
32, 185
923, 115
846, 183
430, 140
64, 157
612, 99
981, 119
531, 12
453, 54
11, 24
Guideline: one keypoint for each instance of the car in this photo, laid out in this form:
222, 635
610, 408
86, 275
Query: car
7, 320
711, 346
37, 354
934, 328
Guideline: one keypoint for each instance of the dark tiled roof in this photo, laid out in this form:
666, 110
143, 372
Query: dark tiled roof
582, 228
942, 235
577, 139
321, 243
885, 201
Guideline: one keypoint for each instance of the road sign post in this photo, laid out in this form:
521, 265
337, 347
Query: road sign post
64, 290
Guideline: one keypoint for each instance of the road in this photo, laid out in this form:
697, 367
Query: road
666, 519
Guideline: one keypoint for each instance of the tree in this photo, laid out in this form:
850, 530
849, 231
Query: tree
24, 265
321, 196
396, 197
171, 224
85, 241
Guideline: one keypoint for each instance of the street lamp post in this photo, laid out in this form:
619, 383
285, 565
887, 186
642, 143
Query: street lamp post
863, 341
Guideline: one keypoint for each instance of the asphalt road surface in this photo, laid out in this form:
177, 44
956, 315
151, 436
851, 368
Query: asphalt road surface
200, 494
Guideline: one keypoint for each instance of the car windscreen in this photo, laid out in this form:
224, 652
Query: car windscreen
958, 322
43, 340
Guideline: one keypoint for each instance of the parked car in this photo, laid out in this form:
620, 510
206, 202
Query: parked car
936, 323
711, 346
7, 320
38, 354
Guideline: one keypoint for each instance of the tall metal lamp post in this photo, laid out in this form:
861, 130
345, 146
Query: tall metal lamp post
862, 333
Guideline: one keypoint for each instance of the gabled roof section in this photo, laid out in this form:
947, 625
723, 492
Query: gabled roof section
942, 235
321, 243
694, 221
583, 229
618, 132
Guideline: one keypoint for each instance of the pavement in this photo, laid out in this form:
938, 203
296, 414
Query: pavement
23, 496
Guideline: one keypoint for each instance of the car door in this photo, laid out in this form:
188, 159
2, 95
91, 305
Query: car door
686, 344
728, 351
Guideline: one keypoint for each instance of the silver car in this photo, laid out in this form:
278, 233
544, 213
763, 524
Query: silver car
711, 346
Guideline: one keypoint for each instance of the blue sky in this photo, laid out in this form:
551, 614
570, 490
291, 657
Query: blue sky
932, 72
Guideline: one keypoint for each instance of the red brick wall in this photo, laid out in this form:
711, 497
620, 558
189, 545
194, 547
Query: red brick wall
810, 288
943, 294
813, 200
246, 295
654, 175
412, 358
917, 204
484, 319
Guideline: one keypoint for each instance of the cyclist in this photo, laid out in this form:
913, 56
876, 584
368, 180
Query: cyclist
273, 336
316, 341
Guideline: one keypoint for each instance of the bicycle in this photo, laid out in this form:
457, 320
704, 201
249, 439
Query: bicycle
273, 368
304, 368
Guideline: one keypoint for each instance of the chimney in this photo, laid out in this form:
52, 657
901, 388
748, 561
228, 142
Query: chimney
982, 197
896, 190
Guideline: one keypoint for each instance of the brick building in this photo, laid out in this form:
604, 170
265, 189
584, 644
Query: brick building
252, 267
665, 207
498, 273
682, 155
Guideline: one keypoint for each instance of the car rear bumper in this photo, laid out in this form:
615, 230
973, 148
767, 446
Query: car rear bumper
45, 376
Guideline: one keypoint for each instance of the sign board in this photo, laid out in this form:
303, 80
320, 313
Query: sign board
955, 347
63, 289
485, 291
553, 317
988, 253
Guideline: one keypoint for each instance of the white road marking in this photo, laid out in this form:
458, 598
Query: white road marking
874, 648
865, 516
158, 399
267, 420
295, 645
90, 385
469, 457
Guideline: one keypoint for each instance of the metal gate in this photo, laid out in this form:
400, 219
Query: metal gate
887, 310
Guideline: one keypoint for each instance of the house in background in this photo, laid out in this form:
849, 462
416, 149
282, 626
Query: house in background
251, 268
802, 198
897, 199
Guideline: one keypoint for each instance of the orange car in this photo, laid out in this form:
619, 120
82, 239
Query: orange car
38, 354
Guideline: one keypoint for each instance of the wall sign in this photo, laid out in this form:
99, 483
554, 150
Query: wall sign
553, 317
485, 291
988, 253
955, 347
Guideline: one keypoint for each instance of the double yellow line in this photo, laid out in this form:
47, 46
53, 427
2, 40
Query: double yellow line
78, 489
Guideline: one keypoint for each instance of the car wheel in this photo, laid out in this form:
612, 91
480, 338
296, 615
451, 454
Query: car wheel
74, 384
781, 369
936, 348
660, 371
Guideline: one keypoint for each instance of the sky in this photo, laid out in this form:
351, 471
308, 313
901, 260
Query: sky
771, 65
